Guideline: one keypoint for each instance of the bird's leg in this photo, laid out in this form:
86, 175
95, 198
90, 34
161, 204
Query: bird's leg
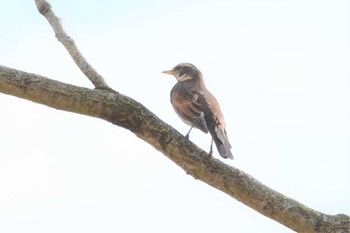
211, 148
188, 134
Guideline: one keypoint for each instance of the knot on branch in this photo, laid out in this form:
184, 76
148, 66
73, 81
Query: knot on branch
63, 37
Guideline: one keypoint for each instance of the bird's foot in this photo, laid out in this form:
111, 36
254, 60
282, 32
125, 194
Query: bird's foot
188, 134
210, 153
211, 149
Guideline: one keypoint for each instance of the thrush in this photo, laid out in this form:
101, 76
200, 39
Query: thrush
197, 107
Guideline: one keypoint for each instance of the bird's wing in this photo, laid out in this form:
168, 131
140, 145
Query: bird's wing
188, 106
216, 126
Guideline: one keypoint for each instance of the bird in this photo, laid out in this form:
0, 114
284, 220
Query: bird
197, 107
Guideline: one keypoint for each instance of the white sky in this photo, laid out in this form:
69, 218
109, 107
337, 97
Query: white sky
280, 70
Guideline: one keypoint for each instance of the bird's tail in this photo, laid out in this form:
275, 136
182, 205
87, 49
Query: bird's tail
222, 143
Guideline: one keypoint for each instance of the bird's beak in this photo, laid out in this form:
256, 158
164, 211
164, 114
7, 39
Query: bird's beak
169, 72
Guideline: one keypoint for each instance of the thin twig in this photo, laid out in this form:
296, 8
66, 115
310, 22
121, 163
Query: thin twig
44, 7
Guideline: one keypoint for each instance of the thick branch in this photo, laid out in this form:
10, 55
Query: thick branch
45, 9
127, 113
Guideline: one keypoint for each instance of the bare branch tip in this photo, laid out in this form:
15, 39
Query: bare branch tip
43, 6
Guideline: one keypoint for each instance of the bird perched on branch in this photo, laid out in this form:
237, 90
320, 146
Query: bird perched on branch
197, 107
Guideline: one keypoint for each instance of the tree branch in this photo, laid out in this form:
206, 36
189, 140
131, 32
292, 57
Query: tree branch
104, 103
128, 113
97, 80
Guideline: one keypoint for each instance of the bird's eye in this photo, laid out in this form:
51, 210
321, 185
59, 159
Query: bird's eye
177, 68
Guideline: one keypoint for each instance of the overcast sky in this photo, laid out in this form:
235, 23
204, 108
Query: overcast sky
280, 70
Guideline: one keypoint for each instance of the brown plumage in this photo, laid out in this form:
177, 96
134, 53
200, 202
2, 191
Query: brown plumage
197, 107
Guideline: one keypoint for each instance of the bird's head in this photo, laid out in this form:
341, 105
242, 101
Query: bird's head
185, 71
